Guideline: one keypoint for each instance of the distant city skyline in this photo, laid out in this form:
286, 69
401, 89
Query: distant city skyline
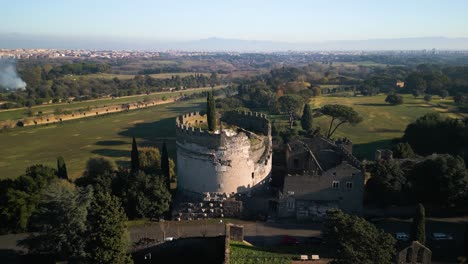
275, 20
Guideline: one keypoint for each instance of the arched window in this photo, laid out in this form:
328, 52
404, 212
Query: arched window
409, 255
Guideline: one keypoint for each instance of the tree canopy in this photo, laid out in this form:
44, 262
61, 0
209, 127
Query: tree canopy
60, 220
394, 99
342, 113
442, 180
292, 105
387, 184
107, 240
432, 133
402, 150
356, 240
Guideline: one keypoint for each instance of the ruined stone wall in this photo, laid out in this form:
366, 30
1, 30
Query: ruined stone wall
255, 122
223, 162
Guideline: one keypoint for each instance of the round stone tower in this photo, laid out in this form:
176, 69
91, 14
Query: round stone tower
233, 159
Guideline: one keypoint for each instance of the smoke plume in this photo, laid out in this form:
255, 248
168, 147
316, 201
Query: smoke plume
9, 78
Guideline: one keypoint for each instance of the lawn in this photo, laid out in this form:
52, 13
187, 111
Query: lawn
243, 253
78, 140
19, 113
381, 122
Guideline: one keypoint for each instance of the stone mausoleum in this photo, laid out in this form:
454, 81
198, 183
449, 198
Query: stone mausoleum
233, 159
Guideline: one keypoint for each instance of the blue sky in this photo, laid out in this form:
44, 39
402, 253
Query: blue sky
282, 20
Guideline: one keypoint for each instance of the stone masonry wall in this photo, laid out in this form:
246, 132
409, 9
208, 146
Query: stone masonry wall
221, 162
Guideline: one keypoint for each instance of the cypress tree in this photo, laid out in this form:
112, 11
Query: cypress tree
165, 165
135, 162
211, 112
306, 119
418, 227
62, 168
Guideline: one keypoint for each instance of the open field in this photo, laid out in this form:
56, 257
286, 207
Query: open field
19, 113
78, 140
381, 122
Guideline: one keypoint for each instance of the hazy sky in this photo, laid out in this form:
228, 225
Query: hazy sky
282, 20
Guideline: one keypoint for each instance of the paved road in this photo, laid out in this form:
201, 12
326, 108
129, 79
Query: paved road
258, 233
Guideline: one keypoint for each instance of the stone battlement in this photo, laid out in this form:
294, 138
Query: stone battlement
188, 130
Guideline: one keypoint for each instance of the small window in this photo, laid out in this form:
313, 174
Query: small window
349, 185
336, 184
334, 173
290, 192
290, 204
409, 255
296, 163
253, 175
353, 174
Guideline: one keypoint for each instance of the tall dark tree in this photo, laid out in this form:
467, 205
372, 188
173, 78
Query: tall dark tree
306, 119
440, 180
135, 161
62, 168
61, 222
106, 240
418, 227
211, 111
146, 196
356, 240
165, 165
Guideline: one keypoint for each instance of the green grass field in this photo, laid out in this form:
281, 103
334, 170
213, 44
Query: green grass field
19, 113
381, 122
242, 253
78, 140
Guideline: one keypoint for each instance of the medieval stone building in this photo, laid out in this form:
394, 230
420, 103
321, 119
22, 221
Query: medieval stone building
321, 175
234, 159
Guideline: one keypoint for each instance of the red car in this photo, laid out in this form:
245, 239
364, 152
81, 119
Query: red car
289, 240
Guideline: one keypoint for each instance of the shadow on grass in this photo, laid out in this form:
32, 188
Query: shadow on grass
113, 153
373, 104
153, 134
367, 150
388, 130
111, 143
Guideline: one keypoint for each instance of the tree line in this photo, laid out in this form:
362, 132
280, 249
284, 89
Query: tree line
46, 84
85, 221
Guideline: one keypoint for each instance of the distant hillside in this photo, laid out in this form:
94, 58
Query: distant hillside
14, 40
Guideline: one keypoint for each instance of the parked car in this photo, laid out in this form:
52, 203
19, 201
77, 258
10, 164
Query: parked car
440, 236
401, 236
289, 241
